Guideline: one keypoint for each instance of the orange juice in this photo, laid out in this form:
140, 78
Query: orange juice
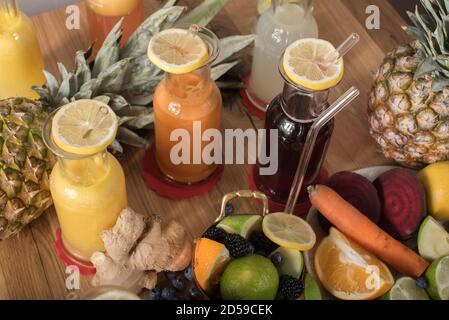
180, 100
89, 195
103, 15
21, 62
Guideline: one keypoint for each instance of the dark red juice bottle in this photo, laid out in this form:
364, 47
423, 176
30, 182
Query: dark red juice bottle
292, 113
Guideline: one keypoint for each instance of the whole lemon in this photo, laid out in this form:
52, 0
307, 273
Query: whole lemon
435, 179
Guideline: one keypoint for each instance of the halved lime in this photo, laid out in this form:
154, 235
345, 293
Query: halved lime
438, 277
243, 225
311, 289
292, 264
405, 289
433, 240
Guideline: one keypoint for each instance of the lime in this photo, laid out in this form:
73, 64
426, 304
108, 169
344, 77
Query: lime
243, 225
289, 231
433, 240
438, 277
405, 289
252, 277
292, 262
311, 289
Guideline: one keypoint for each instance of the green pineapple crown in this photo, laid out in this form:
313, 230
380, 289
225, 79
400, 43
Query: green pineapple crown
125, 79
432, 31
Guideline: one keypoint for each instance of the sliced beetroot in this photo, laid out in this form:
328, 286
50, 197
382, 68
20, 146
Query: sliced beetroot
358, 191
403, 202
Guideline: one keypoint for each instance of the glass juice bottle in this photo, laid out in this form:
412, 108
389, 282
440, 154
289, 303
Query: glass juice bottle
21, 62
103, 15
88, 192
285, 22
179, 101
292, 113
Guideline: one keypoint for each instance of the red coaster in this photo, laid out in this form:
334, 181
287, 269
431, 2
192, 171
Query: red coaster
246, 99
302, 208
167, 188
85, 267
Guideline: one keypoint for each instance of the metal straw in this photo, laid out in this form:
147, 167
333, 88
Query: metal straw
309, 145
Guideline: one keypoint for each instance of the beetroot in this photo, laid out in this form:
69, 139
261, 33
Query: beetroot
403, 202
358, 191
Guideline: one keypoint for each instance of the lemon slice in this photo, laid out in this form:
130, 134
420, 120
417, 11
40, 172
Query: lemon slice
178, 51
289, 231
313, 64
84, 127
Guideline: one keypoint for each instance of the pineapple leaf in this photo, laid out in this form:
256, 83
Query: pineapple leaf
427, 66
131, 138
113, 78
52, 83
230, 85
63, 71
105, 99
116, 147
164, 18
203, 14
231, 45
439, 83
137, 122
63, 92
140, 70
82, 73
109, 52
218, 71
43, 94
117, 102
169, 3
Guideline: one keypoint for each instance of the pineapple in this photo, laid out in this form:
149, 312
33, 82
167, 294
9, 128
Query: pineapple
409, 103
25, 165
125, 79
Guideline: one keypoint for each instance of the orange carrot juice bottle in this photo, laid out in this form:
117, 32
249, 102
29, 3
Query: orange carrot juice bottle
185, 96
103, 15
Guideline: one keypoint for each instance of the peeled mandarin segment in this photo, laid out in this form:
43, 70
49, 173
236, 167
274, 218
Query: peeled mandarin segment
177, 51
346, 270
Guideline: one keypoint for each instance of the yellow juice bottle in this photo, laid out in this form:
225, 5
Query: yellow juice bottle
87, 183
21, 62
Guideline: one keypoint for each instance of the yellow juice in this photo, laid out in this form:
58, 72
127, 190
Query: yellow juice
21, 63
89, 195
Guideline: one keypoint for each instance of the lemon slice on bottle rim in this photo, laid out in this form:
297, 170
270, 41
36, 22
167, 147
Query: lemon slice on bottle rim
289, 231
313, 64
84, 127
178, 51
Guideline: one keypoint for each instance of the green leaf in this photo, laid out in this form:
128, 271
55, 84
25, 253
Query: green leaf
63, 71
438, 84
232, 45
138, 122
82, 73
114, 77
116, 147
104, 99
139, 71
109, 53
131, 138
52, 83
63, 92
218, 71
427, 66
203, 14
164, 18
117, 102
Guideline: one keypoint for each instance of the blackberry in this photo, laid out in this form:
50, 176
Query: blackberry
216, 234
290, 288
194, 293
188, 273
178, 283
238, 246
155, 293
168, 294
261, 243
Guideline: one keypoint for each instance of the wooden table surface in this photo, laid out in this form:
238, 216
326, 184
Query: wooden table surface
29, 266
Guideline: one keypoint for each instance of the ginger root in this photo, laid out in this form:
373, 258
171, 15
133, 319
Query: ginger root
137, 248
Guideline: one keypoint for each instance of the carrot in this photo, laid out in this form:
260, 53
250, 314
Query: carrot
357, 226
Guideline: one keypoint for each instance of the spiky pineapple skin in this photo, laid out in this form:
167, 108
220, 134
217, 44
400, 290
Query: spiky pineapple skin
407, 119
25, 165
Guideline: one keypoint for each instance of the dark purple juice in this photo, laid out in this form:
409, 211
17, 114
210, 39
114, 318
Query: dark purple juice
292, 113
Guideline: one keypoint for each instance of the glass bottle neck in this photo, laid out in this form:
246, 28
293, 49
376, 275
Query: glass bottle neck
302, 105
85, 171
307, 5
182, 84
